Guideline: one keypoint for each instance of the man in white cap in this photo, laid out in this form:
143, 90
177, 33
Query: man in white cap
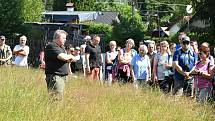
184, 60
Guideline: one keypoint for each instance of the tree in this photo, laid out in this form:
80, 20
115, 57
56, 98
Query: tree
31, 10
206, 11
128, 27
14, 13
48, 4
84, 5
164, 12
60, 5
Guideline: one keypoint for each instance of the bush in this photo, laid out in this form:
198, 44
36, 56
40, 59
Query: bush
198, 36
103, 29
202, 37
129, 27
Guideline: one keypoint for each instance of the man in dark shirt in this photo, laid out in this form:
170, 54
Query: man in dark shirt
57, 68
93, 58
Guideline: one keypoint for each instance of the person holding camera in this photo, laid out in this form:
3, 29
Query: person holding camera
21, 52
184, 60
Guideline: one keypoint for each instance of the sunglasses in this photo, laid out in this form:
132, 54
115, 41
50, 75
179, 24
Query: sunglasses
185, 42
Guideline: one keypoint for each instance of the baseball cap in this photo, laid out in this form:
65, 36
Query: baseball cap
77, 48
185, 38
87, 38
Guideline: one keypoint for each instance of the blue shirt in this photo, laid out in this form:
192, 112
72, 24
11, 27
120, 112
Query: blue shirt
140, 66
186, 60
178, 46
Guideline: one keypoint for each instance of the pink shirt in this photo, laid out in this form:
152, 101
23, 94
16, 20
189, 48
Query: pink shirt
201, 82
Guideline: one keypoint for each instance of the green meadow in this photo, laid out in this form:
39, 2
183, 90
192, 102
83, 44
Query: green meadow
23, 97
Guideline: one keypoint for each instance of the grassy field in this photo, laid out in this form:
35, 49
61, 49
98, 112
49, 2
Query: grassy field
23, 97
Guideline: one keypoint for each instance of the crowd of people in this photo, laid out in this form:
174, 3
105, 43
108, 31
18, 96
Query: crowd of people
183, 68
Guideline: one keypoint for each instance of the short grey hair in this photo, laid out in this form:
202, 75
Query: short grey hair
58, 33
23, 36
131, 41
112, 43
144, 47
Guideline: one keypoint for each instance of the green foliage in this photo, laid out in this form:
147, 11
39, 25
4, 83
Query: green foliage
14, 13
93, 5
206, 12
88, 5
10, 16
174, 38
80, 5
103, 29
48, 4
202, 37
31, 10
85, 5
128, 27
164, 12
59, 5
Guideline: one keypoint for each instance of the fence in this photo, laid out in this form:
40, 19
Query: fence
37, 45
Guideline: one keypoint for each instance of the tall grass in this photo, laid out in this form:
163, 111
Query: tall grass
23, 97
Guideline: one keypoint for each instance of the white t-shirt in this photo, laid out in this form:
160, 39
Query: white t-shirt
77, 57
83, 49
21, 60
111, 55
